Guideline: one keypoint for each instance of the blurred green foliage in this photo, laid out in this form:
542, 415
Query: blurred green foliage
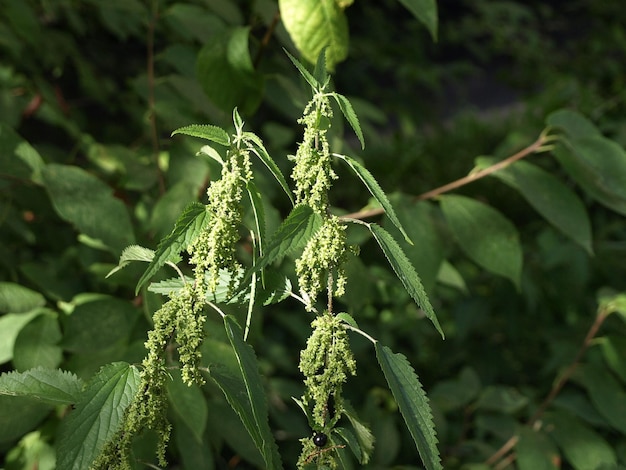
90, 92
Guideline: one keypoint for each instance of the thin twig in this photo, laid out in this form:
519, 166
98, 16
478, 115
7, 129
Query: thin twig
266, 39
532, 148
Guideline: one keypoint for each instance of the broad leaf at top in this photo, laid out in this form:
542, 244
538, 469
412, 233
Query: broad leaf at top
425, 11
97, 416
413, 403
132, 253
558, 204
16, 298
87, 203
187, 227
405, 272
314, 25
52, 386
485, 235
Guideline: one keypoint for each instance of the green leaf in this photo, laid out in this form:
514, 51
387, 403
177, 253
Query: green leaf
502, 399
583, 447
52, 386
485, 236
188, 226
225, 71
276, 289
574, 124
405, 272
314, 25
614, 351
348, 111
311, 80
18, 159
87, 203
37, 343
558, 204
347, 318
413, 403
189, 404
363, 435
255, 415
132, 253
256, 202
99, 324
598, 165
259, 150
425, 11
10, 326
97, 417
606, 394
15, 298
375, 190
20, 415
193, 454
206, 131
535, 451
454, 394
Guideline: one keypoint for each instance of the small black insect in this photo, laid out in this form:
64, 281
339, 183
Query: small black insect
320, 439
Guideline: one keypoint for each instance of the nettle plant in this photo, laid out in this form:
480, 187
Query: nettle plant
123, 400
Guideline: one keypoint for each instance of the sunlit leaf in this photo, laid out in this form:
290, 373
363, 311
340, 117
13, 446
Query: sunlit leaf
314, 25
52, 386
188, 226
132, 253
413, 403
16, 298
405, 272
205, 131
348, 111
97, 416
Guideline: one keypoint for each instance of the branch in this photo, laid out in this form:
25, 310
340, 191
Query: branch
536, 146
266, 39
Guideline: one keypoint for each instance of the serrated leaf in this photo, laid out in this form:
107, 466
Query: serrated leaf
535, 451
319, 72
363, 435
405, 272
189, 403
97, 416
259, 150
413, 403
52, 386
276, 289
375, 190
485, 235
188, 226
132, 253
558, 204
15, 298
205, 131
606, 394
349, 438
299, 226
311, 80
256, 202
425, 11
598, 165
574, 124
582, 446
348, 111
255, 415
314, 25
88, 204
